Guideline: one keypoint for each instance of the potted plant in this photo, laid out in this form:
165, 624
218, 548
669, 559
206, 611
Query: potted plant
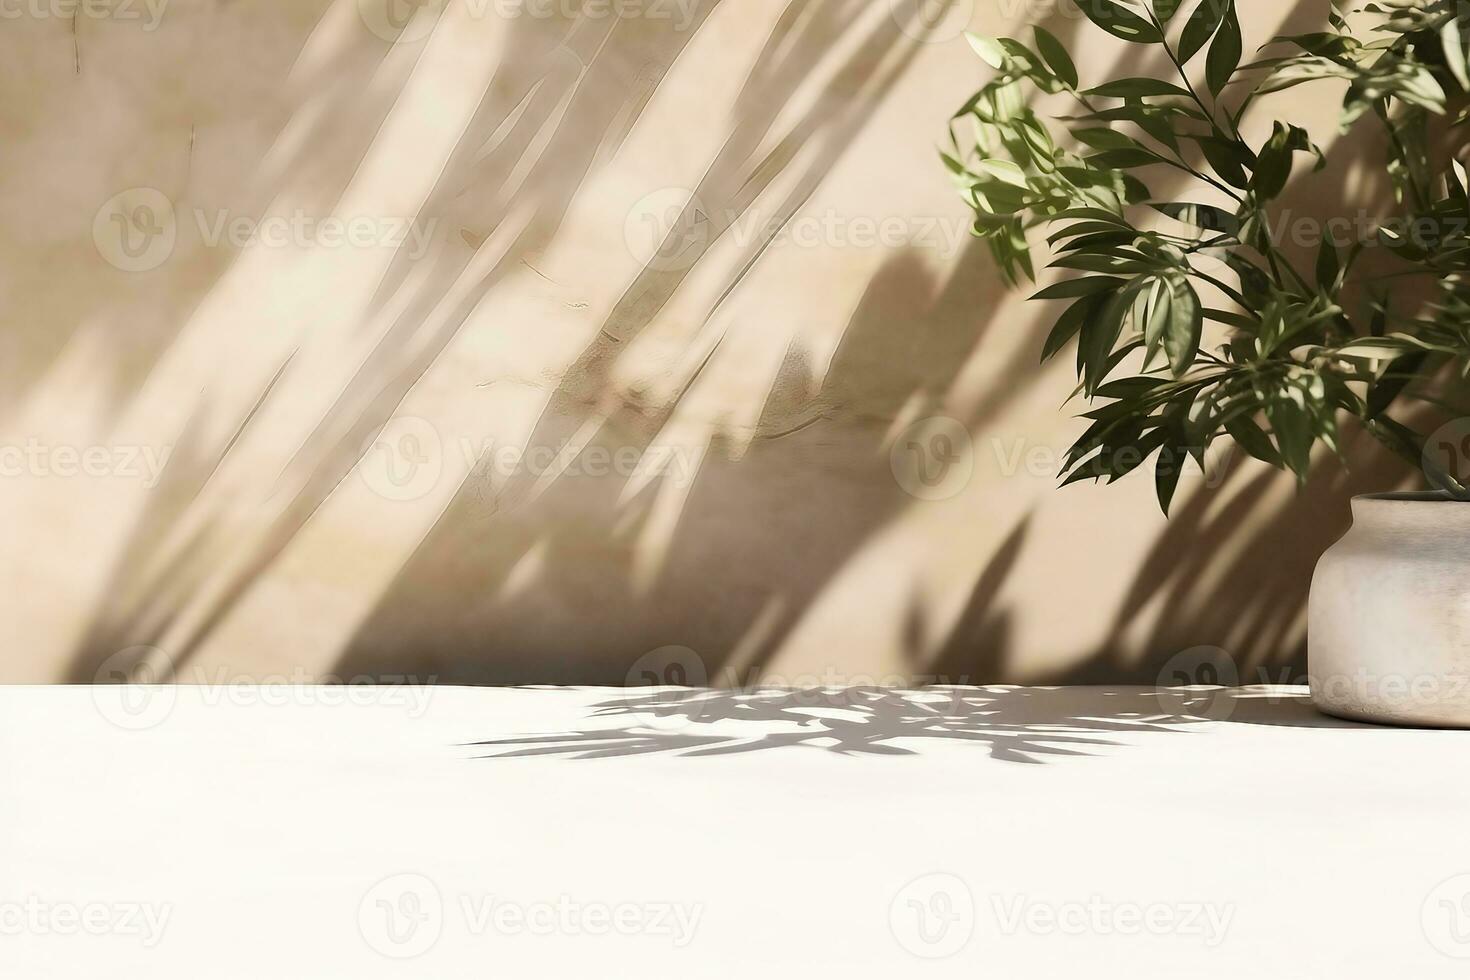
1192, 323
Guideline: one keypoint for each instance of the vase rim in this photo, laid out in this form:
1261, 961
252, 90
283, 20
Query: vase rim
1408, 497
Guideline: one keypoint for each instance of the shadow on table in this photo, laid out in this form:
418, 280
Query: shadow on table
1027, 724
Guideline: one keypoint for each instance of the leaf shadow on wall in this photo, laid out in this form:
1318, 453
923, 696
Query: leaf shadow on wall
511, 584
723, 594
187, 564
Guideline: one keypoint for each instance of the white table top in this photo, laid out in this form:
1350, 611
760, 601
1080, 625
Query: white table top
995, 832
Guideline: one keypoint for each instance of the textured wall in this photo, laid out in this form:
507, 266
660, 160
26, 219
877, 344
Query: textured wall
304, 306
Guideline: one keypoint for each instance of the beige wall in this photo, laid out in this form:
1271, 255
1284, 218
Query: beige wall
780, 378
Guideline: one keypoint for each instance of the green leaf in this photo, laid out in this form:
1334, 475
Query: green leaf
1393, 381
1401, 245
1094, 469
1201, 27
1328, 267
1252, 438
1273, 165
1070, 323
1137, 88
1296, 356
1206, 217
1292, 426
1004, 171
1225, 53
1237, 320
1229, 159
1167, 471
988, 48
1056, 57
1095, 353
1102, 262
1121, 448
1153, 317
1091, 214
1157, 126
1120, 22
1174, 454
1087, 286
1137, 112
1098, 240
1254, 284
1083, 228
1165, 10
1374, 348
1185, 327
1124, 159
1106, 139
1023, 60
1454, 51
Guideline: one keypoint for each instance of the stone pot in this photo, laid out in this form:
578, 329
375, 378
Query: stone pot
1388, 625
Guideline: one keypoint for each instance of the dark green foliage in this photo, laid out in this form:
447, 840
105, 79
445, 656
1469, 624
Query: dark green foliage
1223, 336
